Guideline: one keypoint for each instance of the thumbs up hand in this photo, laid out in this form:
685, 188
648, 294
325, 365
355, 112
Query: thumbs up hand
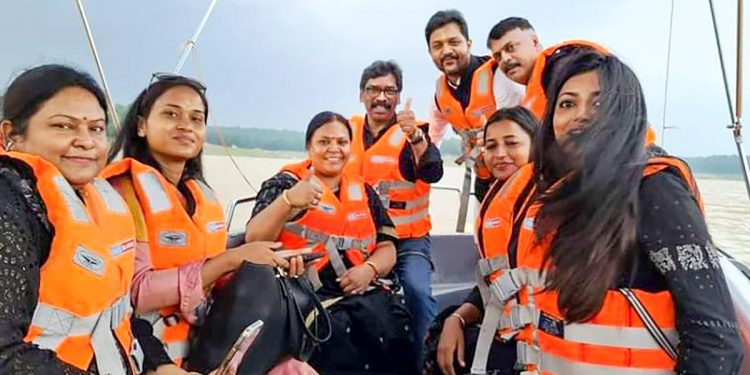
306, 192
406, 120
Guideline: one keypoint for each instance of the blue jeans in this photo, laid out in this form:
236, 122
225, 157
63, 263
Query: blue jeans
414, 268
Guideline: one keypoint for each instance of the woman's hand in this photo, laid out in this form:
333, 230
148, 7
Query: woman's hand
258, 252
296, 262
305, 193
356, 279
451, 345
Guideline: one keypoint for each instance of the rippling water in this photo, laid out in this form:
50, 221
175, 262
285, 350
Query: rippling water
727, 205
728, 215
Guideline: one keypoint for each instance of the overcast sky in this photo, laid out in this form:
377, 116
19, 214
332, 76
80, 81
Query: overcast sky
274, 64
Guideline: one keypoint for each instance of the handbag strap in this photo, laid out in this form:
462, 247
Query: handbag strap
318, 309
649, 322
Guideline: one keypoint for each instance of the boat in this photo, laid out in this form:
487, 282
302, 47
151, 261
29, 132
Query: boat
453, 255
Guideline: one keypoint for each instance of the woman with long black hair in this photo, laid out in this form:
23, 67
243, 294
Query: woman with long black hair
607, 264
181, 235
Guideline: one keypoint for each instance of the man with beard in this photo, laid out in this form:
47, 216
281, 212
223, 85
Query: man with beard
394, 154
466, 93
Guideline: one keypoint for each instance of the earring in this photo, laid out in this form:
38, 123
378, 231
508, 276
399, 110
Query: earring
9, 145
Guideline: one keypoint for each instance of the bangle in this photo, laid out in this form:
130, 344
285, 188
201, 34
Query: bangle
461, 318
374, 268
286, 199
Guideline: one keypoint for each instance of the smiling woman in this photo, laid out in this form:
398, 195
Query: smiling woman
317, 203
50, 203
180, 231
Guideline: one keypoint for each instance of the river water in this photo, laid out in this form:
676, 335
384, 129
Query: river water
727, 205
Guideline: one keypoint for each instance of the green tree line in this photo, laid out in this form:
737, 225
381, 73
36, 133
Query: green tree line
293, 140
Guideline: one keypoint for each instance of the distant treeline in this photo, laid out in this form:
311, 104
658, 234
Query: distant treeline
718, 165
282, 140
293, 140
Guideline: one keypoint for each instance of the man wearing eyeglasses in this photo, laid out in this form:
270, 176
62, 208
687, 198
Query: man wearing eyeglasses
395, 155
467, 93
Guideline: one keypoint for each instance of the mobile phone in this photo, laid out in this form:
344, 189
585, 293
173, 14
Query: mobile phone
236, 353
306, 253
309, 257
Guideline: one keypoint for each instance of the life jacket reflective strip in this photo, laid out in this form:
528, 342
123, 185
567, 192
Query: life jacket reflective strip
468, 122
78, 326
535, 98
615, 338
335, 225
481, 101
174, 237
407, 202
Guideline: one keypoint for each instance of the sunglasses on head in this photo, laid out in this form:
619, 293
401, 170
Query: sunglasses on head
170, 77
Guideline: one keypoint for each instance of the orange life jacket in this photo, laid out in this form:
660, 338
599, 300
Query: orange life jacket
174, 237
407, 202
469, 122
535, 98
83, 310
615, 340
336, 224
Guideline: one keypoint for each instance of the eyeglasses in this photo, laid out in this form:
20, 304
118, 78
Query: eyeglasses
374, 91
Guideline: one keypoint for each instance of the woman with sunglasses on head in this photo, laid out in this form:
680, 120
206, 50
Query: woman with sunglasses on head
67, 243
507, 143
605, 264
180, 229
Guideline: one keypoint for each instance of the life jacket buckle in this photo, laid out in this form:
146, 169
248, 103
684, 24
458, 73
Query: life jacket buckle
505, 286
527, 355
520, 316
171, 320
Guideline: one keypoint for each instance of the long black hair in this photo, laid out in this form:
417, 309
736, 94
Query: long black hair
133, 146
589, 193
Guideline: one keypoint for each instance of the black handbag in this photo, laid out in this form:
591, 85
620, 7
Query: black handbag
253, 293
371, 335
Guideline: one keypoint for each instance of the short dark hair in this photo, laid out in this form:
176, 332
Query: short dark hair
133, 146
321, 119
443, 18
518, 114
507, 25
34, 87
382, 68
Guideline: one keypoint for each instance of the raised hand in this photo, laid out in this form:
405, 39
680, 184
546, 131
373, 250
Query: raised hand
406, 119
305, 193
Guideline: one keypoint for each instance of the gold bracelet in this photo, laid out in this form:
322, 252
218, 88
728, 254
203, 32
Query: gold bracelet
374, 268
286, 199
461, 318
